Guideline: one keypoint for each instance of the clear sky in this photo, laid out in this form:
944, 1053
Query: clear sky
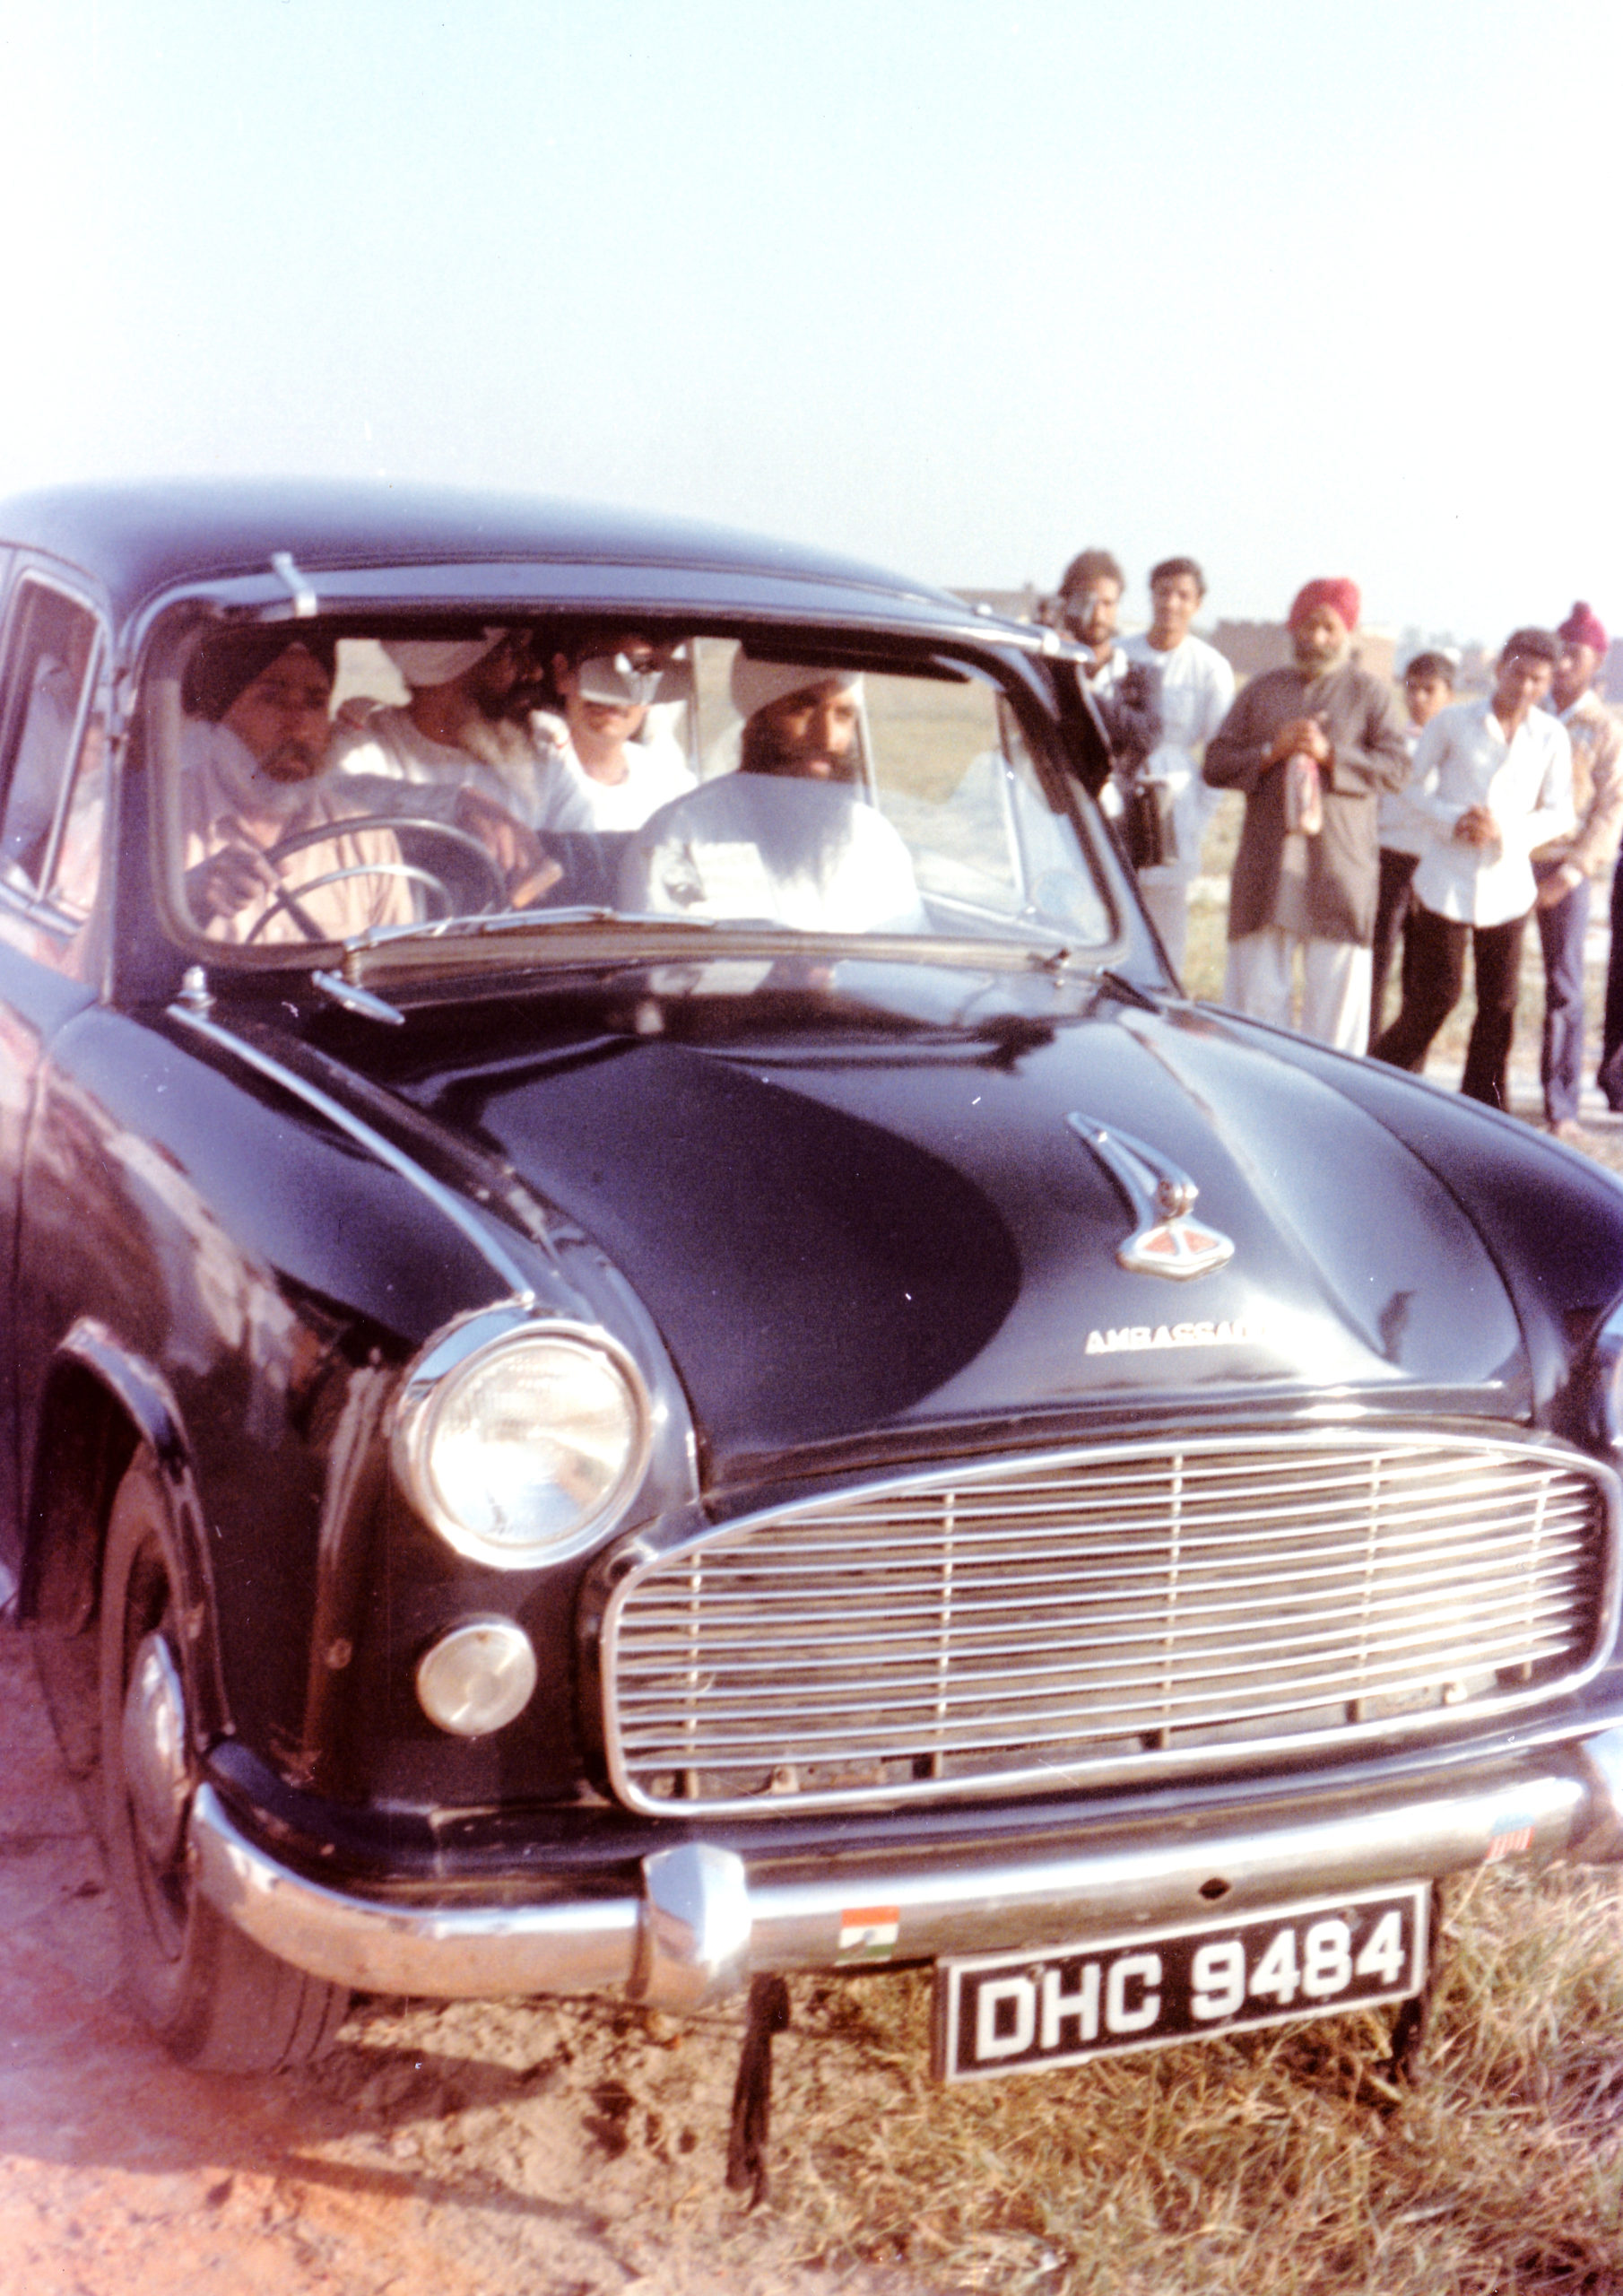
961, 286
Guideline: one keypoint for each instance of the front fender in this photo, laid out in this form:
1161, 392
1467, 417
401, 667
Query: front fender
100, 1403
1551, 1220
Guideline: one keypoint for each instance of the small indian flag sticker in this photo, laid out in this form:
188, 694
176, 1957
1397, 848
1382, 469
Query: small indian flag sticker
869, 1932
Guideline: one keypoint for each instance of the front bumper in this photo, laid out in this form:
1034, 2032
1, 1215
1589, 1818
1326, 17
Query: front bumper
704, 1922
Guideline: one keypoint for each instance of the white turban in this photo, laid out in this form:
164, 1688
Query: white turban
436, 661
756, 685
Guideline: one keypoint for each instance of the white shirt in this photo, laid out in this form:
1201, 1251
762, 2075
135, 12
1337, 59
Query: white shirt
1463, 759
1194, 693
808, 854
1399, 829
656, 773
530, 782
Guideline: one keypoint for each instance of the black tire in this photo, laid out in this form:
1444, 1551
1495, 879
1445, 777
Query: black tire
215, 1998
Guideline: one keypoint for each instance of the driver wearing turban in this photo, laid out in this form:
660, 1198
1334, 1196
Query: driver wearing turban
255, 800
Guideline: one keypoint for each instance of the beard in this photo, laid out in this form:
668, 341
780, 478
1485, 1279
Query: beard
508, 749
250, 787
803, 829
292, 765
1315, 663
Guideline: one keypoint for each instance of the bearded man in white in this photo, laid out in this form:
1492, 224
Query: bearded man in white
462, 758
1194, 688
256, 773
791, 838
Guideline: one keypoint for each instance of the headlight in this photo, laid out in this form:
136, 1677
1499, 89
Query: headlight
520, 1441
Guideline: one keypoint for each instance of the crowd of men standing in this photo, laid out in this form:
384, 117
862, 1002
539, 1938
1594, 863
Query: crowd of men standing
1363, 833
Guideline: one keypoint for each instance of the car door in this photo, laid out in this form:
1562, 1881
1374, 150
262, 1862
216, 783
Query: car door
53, 787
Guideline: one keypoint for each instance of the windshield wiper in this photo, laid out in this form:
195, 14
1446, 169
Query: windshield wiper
591, 933
356, 999
1129, 991
518, 921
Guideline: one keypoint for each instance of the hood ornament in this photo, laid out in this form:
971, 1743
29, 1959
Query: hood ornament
1165, 1239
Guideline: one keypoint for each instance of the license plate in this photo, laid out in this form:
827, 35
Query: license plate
1022, 2013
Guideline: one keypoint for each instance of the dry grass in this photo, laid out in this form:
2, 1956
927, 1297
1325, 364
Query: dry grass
1276, 2164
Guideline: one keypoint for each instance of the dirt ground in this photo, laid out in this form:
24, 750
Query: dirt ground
475, 2150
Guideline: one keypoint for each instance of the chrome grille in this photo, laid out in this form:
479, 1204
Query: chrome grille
1108, 1614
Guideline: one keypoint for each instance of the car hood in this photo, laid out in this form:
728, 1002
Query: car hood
844, 1232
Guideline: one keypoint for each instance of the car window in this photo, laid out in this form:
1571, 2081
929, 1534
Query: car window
373, 782
52, 749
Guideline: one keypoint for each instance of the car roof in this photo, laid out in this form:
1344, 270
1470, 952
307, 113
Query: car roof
139, 539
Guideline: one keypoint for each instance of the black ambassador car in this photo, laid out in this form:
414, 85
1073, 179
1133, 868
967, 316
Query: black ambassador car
638, 1401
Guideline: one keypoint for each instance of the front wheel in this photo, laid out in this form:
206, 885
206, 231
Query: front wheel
213, 1997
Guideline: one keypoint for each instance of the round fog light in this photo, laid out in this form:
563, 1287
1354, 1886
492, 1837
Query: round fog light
477, 1678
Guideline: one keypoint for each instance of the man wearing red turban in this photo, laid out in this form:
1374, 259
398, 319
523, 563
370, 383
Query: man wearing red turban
1312, 747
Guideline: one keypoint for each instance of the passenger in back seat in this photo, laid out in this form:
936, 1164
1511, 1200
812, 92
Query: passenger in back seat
606, 683
463, 757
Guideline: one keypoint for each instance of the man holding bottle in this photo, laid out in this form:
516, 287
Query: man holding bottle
1311, 746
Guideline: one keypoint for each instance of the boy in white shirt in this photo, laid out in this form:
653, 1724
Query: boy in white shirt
1428, 687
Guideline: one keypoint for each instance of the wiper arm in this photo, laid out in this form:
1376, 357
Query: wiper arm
1129, 991
356, 999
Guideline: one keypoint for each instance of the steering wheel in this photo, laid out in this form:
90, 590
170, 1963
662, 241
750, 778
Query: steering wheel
489, 885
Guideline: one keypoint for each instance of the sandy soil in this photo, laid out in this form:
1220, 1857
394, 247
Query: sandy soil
475, 2150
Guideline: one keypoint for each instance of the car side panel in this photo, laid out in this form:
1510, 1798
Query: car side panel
259, 1262
34, 1001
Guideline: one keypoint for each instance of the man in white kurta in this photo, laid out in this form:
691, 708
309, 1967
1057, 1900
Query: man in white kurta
790, 838
454, 753
1564, 868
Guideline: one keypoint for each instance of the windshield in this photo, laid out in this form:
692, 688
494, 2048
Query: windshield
332, 785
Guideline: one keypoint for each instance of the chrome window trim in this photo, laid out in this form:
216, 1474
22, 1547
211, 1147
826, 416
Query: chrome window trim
33, 902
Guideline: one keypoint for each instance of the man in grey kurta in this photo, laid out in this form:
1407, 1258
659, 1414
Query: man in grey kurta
1312, 747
